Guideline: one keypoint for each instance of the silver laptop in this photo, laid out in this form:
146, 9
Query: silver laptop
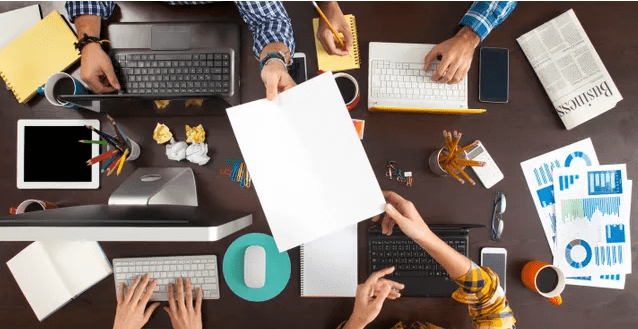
397, 79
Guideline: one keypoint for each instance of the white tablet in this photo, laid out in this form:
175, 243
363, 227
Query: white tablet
50, 155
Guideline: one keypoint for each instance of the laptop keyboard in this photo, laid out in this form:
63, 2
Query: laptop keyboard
409, 81
174, 74
408, 258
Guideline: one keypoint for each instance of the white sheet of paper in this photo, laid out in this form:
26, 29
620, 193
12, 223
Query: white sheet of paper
538, 175
16, 22
310, 171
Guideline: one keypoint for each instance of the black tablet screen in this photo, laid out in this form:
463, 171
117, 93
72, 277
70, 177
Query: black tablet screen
53, 154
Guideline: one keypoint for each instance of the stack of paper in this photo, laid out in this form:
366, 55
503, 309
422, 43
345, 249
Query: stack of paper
584, 209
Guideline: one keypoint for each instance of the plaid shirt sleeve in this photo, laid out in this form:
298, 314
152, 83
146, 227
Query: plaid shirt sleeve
486, 300
269, 22
103, 9
484, 16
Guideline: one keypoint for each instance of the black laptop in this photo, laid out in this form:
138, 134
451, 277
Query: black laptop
415, 268
174, 61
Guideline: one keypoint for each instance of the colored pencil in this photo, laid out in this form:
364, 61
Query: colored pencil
121, 165
325, 19
459, 170
106, 166
451, 172
106, 137
113, 165
102, 156
88, 141
117, 130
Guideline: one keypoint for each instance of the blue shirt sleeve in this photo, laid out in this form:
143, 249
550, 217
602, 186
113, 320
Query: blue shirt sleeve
484, 16
103, 9
269, 22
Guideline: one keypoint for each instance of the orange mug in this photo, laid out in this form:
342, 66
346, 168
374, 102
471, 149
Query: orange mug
32, 205
545, 279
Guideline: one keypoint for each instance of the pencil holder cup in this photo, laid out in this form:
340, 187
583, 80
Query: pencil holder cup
435, 164
135, 150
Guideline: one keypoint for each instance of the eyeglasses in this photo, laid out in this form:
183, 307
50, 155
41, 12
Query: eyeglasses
497, 215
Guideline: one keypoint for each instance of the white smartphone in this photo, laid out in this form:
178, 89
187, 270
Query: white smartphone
298, 71
496, 260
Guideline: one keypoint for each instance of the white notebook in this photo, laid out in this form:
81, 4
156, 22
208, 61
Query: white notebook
328, 265
309, 169
14, 23
50, 274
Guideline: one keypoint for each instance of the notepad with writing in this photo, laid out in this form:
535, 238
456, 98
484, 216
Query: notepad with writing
50, 274
334, 62
328, 265
41, 51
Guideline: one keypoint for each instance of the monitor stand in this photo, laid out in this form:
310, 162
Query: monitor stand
157, 186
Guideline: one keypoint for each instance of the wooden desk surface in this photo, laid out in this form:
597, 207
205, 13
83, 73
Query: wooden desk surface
525, 127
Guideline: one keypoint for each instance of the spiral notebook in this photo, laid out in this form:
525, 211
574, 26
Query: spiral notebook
41, 51
336, 63
328, 265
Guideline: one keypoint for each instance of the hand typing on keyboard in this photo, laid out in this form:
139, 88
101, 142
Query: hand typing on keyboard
457, 53
370, 297
403, 213
181, 311
132, 312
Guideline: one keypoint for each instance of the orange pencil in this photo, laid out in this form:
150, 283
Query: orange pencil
447, 168
463, 149
466, 162
459, 170
113, 165
325, 19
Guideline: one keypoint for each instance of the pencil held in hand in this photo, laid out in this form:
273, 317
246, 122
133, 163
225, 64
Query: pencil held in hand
337, 35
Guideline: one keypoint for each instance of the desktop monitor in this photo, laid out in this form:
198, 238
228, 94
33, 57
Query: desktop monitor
153, 204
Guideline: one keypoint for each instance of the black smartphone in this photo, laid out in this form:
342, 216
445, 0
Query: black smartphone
298, 70
494, 75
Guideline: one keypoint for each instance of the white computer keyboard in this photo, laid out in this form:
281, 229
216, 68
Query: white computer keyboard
201, 269
409, 81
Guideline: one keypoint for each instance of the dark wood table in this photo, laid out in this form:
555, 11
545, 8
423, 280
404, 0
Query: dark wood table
525, 127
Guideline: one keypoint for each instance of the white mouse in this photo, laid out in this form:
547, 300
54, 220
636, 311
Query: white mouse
255, 266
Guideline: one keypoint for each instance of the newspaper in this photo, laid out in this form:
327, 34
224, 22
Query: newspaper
570, 69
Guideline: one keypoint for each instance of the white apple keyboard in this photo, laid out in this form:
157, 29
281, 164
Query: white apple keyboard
201, 269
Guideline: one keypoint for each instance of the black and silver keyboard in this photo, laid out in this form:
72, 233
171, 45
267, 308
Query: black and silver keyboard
175, 74
408, 258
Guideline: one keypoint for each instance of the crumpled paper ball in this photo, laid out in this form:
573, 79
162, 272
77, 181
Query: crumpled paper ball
176, 151
162, 134
198, 153
195, 135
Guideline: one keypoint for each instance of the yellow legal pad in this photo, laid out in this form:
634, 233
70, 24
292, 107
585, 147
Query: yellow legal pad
43, 50
338, 63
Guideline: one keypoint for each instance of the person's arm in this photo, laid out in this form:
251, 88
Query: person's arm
457, 52
338, 21
478, 287
370, 297
131, 310
183, 314
96, 68
272, 33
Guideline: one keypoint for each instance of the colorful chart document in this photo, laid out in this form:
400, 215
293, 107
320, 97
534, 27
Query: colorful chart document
540, 181
592, 226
